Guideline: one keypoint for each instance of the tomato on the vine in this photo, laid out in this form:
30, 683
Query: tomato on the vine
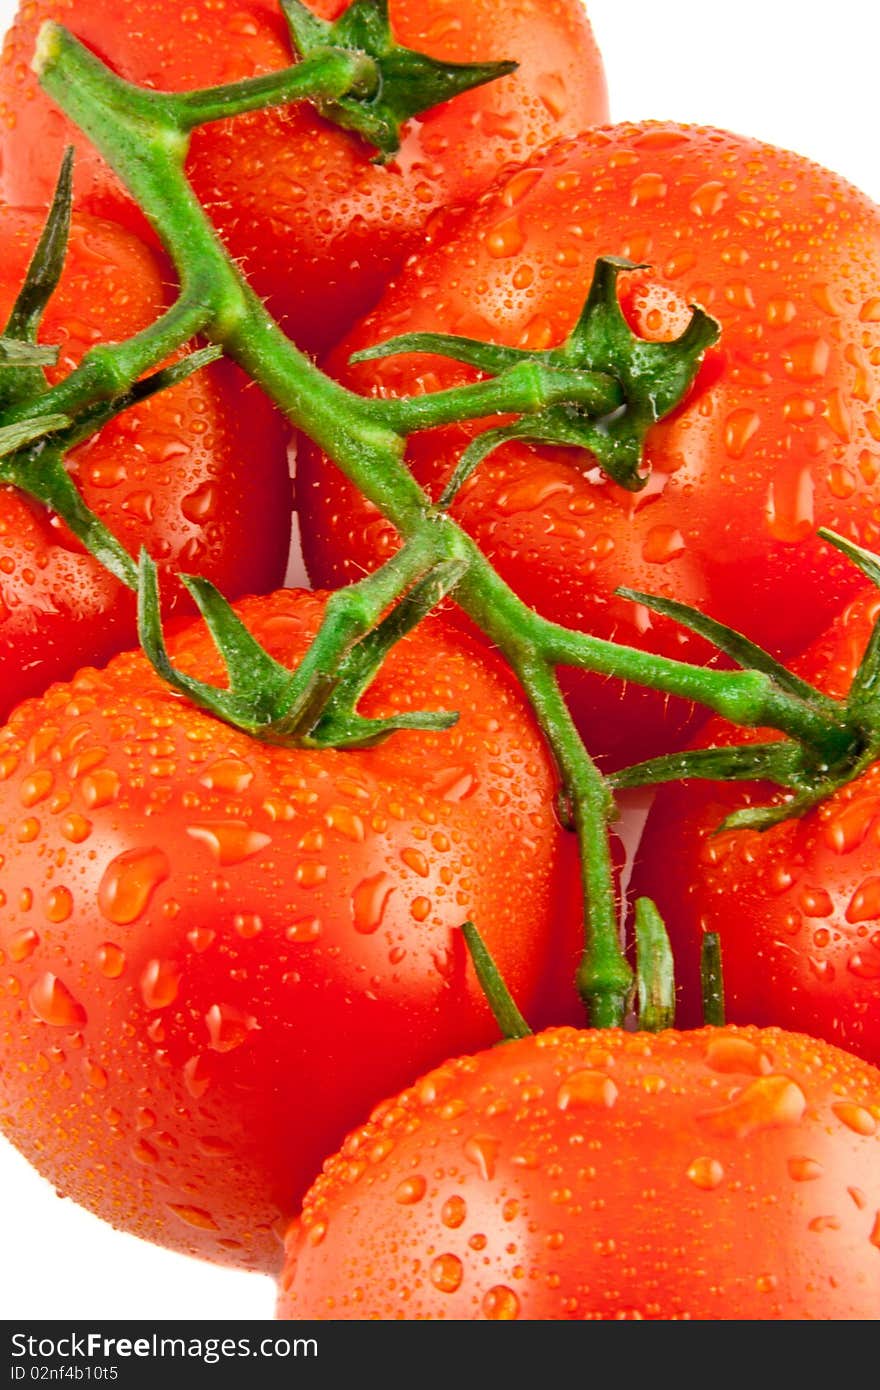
777, 438
797, 906
175, 474
317, 226
716, 1174
217, 953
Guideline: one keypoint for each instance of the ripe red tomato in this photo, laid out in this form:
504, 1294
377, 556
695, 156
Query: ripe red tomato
717, 1174
217, 954
318, 227
177, 474
777, 437
797, 906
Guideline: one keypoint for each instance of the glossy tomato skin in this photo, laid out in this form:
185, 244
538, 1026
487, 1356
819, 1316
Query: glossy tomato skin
776, 438
716, 1174
217, 954
191, 474
318, 227
797, 906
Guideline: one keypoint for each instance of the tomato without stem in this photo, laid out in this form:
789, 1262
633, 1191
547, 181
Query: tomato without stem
216, 954
317, 227
777, 437
797, 906
176, 474
716, 1174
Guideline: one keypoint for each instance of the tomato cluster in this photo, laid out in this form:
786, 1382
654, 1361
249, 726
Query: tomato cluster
219, 953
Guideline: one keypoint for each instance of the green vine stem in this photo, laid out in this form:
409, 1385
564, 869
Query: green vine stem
144, 138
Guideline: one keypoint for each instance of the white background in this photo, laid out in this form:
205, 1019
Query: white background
798, 73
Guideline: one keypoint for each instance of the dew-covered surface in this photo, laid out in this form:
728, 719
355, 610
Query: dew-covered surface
715, 1174
778, 437
215, 955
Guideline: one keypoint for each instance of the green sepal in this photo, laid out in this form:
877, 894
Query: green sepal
41, 280
406, 82
498, 996
339, 724
23, 432
655, 971
739, 648
17, 354
862, 698
653, 379
301, 708
783, 762
712, 980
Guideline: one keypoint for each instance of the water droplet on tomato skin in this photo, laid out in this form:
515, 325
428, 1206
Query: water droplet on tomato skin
230, 842
856, 1118
731, 1054
769, 1103
410, 1190
706, 1173
194, 1216
52, 1003
370, 900
128, 884
446, 1273
454, 1212
500, 1304
22, 944
802, 1169
587, 1090
482, 1151
228, 1027
159, 983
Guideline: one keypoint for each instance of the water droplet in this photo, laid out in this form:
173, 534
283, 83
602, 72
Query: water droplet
228, 775
587, 1090
160, 982
35, 787
662, 544
874, 1237
194, 1216
230, 842
370, 900
807, 359
447, 1273
196, 1077
129, 882
75, 828
770, 1103
53, 1003
501, 1304
200, 938
110, 960
849, 827
228, 1027
454, 1212
482, 1150
410, 1191
706, 1173
865, 902
802, 1169
647, 188
506, 238
59, 904
740, 427
100, 788
856, 1118
415, 860
729, 1054
347, 823
22, 944
709, 198
247, 925
790, 513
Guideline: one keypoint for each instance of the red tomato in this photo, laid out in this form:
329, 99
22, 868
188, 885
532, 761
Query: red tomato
797, 906
318, 227
217, 953
777, 437
717, 1174
177, 474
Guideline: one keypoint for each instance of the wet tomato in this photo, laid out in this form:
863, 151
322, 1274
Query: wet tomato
318, 227
778, 436
797, 906
216, 954
177, 474
716, 1174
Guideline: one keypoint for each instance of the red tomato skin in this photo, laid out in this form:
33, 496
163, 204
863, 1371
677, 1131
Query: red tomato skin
216, 953
776, 438
178, 474
318, 227
717, 1174
797, 906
